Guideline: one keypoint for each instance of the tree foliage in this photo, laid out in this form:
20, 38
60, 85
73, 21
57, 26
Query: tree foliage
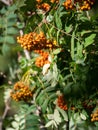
56, 47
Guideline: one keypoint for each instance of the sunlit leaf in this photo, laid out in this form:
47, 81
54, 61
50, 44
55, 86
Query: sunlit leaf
15, 124
69, 28
89, 40
57, 117
49, 123
82, 116
63, 113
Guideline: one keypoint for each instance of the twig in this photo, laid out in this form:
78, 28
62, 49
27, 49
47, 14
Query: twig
62, 31
7, 108
27, 54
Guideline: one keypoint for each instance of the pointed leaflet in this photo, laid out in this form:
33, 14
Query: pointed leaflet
9, 39
72, 46
50, 123
58, 21
83, 117
79, 50
69, 28
63, 113
57, 117
89, 40
11, 30
5, 49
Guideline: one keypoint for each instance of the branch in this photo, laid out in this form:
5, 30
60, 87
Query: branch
27, 54
7, 108
68, 34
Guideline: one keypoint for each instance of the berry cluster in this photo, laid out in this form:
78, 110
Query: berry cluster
79, 4
21, 92
54, 1
34, 41
68, 4
42, 59
38, 1
62, 103
43, 6
94, 115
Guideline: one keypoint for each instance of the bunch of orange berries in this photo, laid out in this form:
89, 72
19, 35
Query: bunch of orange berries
68, 4
34, 41
79, 4
94, 115
21, 92
45, 6
42, 59
54, 1
62, 103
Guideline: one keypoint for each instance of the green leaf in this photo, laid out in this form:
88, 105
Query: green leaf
83, 18
89, 40
96, 123
68, 29
9, 39
48, 89
12, 8
1, 39
73, 46
85, 32
1, 23
20, 25
58, 33
57, 116
37, 92
11, 16
20, 3
11, 23
5, 48
50, 123
49, 18
58, 21
32, 118
15, 124
31, 109
40, 99
12, 30
23, 62
44, 106
79, 50
83, 117
61, 1
3, 10
63, 113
